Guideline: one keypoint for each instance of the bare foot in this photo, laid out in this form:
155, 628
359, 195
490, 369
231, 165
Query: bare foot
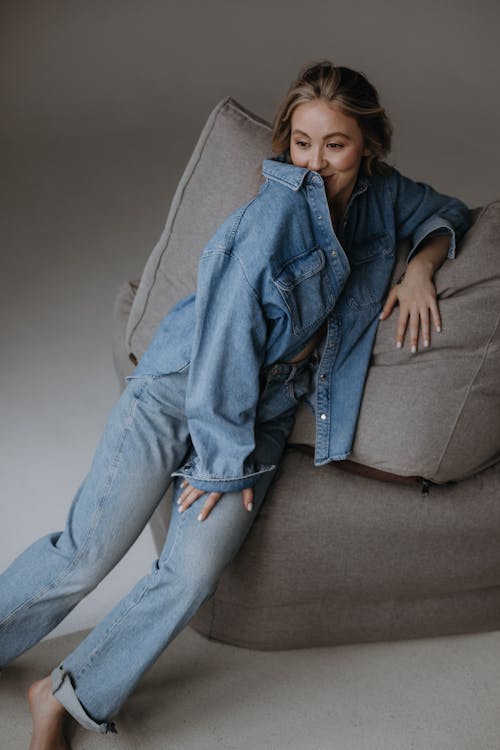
48, 718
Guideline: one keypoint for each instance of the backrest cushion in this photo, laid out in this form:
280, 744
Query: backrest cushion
435, 414
223, 172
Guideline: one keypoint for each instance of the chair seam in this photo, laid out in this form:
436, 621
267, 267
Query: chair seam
465, 400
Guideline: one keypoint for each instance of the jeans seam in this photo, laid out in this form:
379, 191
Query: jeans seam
124, 614
72, 565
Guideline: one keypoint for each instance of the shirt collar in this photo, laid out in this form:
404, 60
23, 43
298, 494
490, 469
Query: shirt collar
280, 170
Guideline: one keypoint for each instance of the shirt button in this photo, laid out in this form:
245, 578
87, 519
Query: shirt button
323, 416
334, 253
320, 218
322, 376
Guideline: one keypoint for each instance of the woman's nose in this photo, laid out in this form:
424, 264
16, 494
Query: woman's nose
317, 161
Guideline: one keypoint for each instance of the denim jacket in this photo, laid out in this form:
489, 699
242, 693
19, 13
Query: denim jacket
269, 277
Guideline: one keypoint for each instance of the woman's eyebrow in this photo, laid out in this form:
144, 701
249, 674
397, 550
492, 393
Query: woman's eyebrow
325, 137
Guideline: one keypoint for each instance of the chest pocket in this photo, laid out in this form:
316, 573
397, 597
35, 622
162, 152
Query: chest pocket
306, 289
371, 264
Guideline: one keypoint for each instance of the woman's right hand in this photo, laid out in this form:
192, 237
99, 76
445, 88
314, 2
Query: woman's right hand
191, 494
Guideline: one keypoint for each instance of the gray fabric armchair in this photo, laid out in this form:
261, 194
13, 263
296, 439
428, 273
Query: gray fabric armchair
339, 556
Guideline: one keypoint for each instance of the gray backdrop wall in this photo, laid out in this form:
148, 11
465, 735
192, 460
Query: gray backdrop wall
101, 104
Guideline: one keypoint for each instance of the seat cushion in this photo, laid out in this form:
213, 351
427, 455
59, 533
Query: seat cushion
435, 414
334, 558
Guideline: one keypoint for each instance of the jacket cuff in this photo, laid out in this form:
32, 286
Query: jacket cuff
435, 226
209, 483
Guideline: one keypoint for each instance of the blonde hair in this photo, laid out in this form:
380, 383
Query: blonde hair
353, 93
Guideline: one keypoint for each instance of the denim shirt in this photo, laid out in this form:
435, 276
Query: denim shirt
269, 277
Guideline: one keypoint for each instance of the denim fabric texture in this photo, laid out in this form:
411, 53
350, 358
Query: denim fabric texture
145, 439
269, 277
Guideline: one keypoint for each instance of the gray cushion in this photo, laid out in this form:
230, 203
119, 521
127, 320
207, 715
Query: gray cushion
334, 558
435, 414
223, 173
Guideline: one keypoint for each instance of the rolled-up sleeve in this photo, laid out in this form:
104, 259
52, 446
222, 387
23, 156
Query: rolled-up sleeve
421, 213
223, 382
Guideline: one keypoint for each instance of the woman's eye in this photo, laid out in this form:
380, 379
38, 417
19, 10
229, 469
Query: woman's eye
302, 144
335, 145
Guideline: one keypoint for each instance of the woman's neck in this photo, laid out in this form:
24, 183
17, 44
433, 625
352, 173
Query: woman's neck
338, 204
338, 207
337, 211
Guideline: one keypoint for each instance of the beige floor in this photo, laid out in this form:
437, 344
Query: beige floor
432, 694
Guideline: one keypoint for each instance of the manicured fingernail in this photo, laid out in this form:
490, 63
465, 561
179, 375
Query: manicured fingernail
179, 501
426, 342
413, 349
438, 329
398, 344
180, 508
250, 506
200, 517
381, 316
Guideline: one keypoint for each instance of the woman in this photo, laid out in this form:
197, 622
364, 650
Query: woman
289, 296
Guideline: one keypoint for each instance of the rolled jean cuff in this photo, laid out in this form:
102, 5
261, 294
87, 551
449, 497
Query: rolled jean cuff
64, 692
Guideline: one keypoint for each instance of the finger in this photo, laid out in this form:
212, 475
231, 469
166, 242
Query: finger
401, 327
248, 498
425, 326
212, 500
187, 489
389, 304
188, 497
436, 317
414, 325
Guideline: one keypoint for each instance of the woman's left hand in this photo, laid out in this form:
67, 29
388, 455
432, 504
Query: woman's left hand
416, 293
416, 296
191, 494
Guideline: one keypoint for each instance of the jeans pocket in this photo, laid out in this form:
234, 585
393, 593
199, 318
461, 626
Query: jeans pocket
302, 383
137, 384
284, 385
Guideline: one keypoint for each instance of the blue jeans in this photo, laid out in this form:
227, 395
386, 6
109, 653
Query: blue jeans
146, 438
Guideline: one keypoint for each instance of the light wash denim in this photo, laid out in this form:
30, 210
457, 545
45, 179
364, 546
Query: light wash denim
269, 277
145, 440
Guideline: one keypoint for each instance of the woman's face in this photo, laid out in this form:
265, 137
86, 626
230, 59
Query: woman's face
329, 142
